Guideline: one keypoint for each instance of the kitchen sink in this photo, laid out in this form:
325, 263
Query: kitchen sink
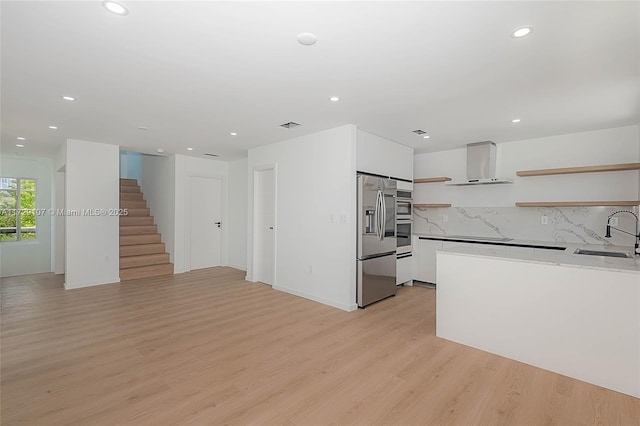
603, 253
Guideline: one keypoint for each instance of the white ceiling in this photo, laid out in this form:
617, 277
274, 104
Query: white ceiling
192, 72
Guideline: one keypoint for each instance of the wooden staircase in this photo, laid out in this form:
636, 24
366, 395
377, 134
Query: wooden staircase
142, 253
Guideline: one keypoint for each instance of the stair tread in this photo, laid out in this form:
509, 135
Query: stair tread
159, 265
131, 230
135, 247
146, 255
134, 239
138, 212
146, 271
132, 219
128, 262
140, 245
130, 189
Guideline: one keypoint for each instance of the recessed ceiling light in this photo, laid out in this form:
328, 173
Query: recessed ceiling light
307, 39
515, 120
20, 138
334, 99
68, 98
233, 134
189, 149
522, 31
115, 7
53, 127
19, 145
160, 150
426, 136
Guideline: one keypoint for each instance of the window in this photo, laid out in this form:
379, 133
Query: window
17, 209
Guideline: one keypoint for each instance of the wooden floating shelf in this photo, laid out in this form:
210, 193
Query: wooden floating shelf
584, 169
432, 205
577, 203
432, 179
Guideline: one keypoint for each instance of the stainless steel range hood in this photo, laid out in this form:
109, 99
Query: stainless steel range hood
481, 165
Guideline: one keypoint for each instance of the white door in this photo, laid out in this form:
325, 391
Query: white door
265, 215
206, 222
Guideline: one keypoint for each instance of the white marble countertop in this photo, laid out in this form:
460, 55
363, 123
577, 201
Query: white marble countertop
565, 257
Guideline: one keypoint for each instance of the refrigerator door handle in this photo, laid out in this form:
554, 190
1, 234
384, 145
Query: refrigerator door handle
377, 213
383, 228
380, 215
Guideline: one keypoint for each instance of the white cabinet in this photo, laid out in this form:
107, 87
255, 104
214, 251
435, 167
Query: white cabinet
482, 247
416, 255
404, 269
382, 156
455, 244
406, 186
426, 261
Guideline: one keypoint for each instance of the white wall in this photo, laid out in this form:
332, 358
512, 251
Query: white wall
59, 234
315, 190
59, 166
30, 257
378, 155
92, 242
131, 165
185, 167
237, 217
60, 158
619, 145
157, 182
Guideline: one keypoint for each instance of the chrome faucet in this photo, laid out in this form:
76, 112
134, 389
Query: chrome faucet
637, 234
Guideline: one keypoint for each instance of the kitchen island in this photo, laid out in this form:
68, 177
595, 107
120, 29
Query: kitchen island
576, 315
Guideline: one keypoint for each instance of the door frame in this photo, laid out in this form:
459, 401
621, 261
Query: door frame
254, 196
187, 217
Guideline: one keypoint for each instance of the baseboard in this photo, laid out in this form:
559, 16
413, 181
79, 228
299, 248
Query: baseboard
323, 300
241, 268
82, 284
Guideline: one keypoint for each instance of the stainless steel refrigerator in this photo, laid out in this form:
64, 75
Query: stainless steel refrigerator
376, 239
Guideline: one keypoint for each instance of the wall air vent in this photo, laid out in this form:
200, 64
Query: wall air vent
289, 125
212, 155
419, 132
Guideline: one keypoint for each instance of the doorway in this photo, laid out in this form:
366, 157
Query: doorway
205, 225
264, 223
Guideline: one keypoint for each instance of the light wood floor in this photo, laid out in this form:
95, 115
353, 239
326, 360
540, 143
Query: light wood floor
209, 348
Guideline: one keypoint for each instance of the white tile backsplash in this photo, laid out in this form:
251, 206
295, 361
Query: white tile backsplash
564, 224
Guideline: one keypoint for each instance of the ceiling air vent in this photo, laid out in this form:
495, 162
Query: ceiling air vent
289, 125
419, 132
212, 155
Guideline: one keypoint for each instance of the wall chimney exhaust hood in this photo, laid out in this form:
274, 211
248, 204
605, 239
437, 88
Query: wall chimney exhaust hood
481, 165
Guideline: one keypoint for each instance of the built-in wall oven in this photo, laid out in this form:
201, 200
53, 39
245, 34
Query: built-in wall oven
404, 224
403, 236
403, 205
404, 220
